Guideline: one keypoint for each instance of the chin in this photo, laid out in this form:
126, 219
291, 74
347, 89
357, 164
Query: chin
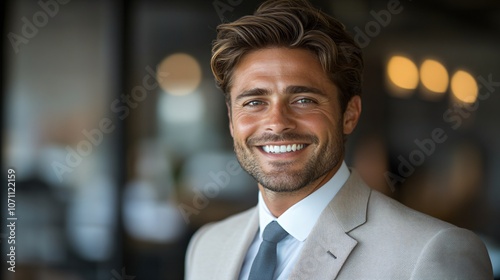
282, 185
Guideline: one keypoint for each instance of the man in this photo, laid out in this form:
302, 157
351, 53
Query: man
292, 79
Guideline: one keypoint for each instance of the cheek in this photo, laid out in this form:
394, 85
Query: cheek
323, 126
318, 121
243, 125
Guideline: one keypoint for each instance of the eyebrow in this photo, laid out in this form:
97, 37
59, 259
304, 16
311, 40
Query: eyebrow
289, 90
303, 89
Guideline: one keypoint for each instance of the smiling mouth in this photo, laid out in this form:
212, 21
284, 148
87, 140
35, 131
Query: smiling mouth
281, 149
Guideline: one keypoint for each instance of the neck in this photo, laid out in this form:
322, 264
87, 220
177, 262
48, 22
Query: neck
279, 202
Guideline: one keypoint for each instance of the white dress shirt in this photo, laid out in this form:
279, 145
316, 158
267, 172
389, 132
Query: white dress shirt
298, 221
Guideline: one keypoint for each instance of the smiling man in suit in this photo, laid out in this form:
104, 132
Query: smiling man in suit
292, 79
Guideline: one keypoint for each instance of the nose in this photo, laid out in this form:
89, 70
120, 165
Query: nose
279, 118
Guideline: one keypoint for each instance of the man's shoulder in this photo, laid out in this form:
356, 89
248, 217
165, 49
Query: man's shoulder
391, 220
391, 211
421, 246
429, 241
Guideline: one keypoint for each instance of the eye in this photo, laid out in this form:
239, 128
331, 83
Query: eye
304, 101
253, 103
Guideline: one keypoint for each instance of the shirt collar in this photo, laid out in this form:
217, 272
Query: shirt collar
300, 219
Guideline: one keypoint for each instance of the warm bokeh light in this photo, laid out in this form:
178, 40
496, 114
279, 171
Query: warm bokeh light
434, 76
180, 74
402, 72
464, 86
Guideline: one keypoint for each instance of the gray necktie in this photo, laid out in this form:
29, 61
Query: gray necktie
264, 263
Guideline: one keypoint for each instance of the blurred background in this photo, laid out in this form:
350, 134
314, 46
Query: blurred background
120, 144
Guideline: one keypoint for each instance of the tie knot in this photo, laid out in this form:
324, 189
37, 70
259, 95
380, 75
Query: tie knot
274, 232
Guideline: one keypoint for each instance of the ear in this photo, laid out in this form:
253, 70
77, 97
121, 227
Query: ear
230, 118
352, 114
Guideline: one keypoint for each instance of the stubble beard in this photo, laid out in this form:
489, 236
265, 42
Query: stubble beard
282, 179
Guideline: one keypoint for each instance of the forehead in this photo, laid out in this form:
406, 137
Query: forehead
278, 67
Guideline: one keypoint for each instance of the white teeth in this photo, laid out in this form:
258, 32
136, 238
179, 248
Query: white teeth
275, 149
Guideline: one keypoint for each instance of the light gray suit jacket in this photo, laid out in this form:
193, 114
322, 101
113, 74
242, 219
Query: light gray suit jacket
362, 234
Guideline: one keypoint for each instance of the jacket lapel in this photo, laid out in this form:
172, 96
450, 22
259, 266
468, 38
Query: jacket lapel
329, 244
234, 252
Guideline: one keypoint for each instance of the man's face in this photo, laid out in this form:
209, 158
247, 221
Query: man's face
285, 118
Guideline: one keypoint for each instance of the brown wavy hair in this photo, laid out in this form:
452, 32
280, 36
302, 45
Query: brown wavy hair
290, 24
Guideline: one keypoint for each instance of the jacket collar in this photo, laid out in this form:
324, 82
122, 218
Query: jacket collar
329, 244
